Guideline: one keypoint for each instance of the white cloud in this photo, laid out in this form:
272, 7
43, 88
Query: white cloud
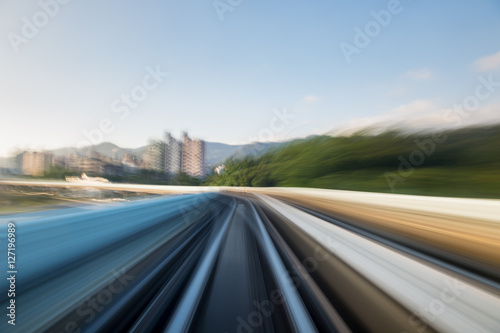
484, 115
419, 115
400, 116
310, 99
488, 63
419, 75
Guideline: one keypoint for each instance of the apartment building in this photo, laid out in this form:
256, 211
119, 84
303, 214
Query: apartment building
154, 157
193, 157
34, 163
173, 154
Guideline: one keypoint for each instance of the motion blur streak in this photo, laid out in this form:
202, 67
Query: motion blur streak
233, 261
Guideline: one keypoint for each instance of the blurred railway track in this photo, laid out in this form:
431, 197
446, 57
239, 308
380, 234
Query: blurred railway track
236, 262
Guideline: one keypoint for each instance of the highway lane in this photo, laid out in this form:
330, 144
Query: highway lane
233, 263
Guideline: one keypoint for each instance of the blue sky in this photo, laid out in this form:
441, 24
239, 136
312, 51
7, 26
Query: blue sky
228, 79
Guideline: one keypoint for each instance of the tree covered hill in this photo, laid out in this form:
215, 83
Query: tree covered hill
463, 162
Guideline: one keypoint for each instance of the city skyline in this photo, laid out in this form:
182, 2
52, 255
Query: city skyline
331, 66
169, 157
151, 139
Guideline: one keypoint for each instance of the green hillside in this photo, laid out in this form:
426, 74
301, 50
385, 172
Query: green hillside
463, 162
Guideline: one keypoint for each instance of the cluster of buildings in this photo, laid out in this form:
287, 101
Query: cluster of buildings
173, 156
169, 156
34, 163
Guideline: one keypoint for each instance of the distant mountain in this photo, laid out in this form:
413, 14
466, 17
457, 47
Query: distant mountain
255, 149
138, 151
64, 151
109, 149
215, 152
105, 148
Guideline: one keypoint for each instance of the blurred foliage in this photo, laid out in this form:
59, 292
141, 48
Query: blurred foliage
143, 176
463, 162
59, 172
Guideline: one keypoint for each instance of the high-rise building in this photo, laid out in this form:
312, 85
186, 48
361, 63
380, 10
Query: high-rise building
193, 156
173, 154
34, 163
154, 157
